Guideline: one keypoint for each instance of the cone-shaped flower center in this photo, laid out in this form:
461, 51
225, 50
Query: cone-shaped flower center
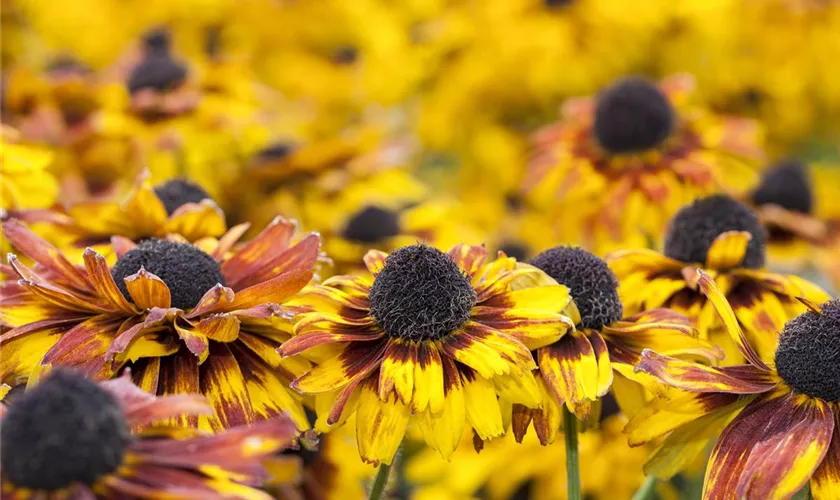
187, 271
372, 224
632, 115
808, 355
592, 284
178, 192
157, 71
65, 430
421, 294
785, 184
695, 227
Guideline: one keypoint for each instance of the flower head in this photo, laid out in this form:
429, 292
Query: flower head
71, 436
437, 339
183, 318
776, 415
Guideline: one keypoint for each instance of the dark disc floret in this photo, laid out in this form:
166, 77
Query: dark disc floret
187, 271
420, 294
632, 115
696, 226
515, 249
785, 184
66, 430
591, 282
178, 192
158, 70
372, 224
808, 355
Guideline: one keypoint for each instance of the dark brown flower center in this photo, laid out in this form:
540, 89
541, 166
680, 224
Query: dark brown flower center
178, 192
65, 430
421, 294
808, 355
632, 115
785, 184
371, 225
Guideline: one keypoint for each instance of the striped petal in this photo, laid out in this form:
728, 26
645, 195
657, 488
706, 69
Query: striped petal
730, 321
728, 250
443, 431
762, 315
273, 239
670, 339
277, 290
84, 346
222, 383
744, 379
301, 256
626, 262
219, 327
100, 276
325, 332
535, 328
179, 374
428, 380
470, 258
487, 351
396, 373
375, 261
226, 242
770, 449
570, 368
44, 253
356, 361
825, 483
147, 290
380, 426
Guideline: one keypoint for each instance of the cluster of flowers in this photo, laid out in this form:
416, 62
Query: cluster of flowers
235, 272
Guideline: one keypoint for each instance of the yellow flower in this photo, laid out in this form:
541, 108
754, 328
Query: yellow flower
618, 166
25, 179
776, 415
599, 354
723, 237
72, 437
185, 320
436, 339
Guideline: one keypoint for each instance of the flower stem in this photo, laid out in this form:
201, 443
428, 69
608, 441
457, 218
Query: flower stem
646, 490
380, 482
572, 459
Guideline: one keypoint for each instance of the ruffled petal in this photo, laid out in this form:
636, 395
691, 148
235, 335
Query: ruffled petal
100, 276
147, 290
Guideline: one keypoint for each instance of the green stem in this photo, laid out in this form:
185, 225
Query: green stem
380, 482
572, 459
646, 490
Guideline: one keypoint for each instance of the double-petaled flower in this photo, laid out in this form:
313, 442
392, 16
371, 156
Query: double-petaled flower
184, 320
777, 415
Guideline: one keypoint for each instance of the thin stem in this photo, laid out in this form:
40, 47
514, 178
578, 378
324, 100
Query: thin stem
572, 459
646, 490
380, 482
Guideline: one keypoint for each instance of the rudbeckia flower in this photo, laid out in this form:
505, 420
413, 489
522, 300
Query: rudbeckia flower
619, 165
724, 238
776, 415
70, 437
184, 320
25, 179
437, 339
177, 207
577, 369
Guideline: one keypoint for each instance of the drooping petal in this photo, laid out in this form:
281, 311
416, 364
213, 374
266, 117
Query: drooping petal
771, 448
730, 321
482, 406
825, 483
428, 380
728, 250
380, 426
147, 290
396, 373
745, 379
570, 368
443, 431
